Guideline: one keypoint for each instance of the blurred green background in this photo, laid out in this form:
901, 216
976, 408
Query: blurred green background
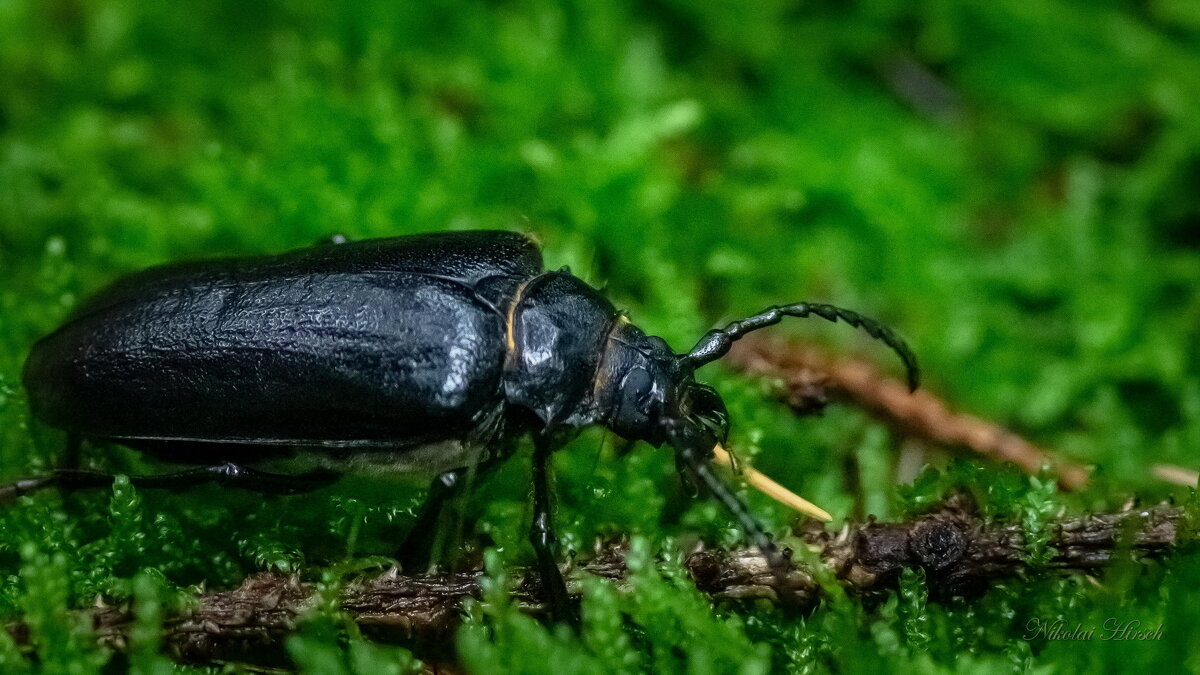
1015, 186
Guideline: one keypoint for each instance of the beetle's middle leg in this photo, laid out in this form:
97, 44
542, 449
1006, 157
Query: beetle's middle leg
228, 473
541, 536
418, 550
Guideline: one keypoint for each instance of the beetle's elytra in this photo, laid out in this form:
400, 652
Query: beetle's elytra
433, 352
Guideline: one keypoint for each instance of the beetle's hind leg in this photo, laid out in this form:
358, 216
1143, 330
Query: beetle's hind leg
227, 473
235, 475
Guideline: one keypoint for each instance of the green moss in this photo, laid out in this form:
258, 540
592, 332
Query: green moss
661, 624
328, 642
1012, 185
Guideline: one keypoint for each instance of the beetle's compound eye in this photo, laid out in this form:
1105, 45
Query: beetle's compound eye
639, 387
640, 405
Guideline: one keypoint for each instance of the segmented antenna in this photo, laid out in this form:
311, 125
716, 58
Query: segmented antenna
717, 342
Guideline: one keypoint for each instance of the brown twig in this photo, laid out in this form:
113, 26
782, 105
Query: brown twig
810, 377
958, 551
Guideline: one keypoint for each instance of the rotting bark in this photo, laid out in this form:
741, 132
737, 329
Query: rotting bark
959, 552
811, 377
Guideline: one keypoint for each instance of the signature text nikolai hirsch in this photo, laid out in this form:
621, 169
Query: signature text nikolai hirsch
1112, 629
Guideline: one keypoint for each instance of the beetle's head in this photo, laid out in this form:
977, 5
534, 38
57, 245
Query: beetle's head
649, 393
645, 386
644, 391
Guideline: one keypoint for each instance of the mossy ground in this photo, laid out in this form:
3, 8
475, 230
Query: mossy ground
1013, 185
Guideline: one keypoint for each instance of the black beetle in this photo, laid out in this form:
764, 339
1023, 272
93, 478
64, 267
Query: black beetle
433, 351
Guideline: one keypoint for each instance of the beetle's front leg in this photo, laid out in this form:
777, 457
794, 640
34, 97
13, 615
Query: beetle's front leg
541, 536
